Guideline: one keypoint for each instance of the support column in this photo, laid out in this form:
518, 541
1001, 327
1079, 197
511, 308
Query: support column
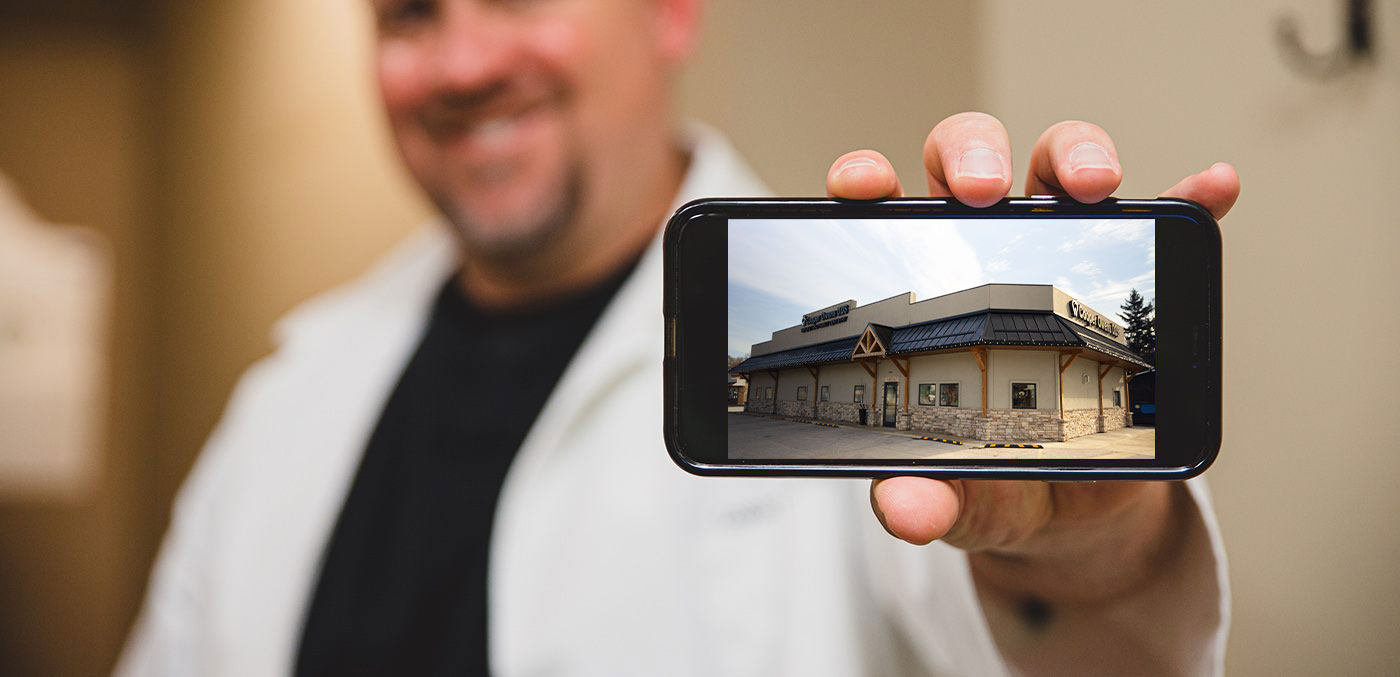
816, 388
775, 390
1061, 379
1127, 402
877, 392
903, 369
1102, 373
980, 354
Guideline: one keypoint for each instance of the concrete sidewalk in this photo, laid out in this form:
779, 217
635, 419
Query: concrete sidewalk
763, 436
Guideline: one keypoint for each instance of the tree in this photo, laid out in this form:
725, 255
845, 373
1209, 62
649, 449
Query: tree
1140, 325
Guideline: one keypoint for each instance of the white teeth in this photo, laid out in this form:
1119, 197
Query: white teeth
495, 131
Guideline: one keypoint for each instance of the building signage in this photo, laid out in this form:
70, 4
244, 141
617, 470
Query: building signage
1092, 319
827, 318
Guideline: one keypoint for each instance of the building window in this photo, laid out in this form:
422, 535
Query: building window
1022, 395
859, 397
927, 394
826, 393
1117, 398
801, 393
947, 394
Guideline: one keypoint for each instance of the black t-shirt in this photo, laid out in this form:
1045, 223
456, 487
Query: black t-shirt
402, 589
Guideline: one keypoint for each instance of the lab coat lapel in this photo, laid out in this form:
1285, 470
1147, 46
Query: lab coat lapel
618, 356
271, 549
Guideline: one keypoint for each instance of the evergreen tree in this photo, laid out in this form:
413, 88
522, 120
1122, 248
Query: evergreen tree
1140, 326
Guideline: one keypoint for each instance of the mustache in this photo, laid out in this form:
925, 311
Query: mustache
465, 103
452, 110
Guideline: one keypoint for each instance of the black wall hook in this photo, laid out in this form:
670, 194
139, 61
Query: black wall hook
1356, 45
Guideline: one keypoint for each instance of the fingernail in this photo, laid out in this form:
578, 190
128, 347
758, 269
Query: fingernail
981, 163
857, 162
1089, 155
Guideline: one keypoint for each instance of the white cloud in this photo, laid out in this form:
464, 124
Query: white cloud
1108, 296
1109, 232
1087, 268
998, 265
1012, 243
817, 262
1067, 287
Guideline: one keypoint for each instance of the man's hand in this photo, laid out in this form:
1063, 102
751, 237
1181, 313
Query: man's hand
1054, 542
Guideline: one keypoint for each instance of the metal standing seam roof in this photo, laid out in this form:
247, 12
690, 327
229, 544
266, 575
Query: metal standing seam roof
817, 353
1094, 342
883, 333
988, 328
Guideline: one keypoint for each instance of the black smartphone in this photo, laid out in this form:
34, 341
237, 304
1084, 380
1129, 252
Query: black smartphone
1038, 338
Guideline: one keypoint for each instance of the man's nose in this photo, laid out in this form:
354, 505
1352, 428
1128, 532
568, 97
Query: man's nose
476, 46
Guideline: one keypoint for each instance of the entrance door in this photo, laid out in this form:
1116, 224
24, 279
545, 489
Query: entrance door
891, 403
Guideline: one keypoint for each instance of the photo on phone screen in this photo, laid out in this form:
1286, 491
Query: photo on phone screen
956, 339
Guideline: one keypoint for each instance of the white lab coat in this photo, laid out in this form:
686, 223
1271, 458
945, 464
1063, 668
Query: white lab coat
606, 559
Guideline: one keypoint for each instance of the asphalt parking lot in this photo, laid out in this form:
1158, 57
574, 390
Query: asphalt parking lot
765, 437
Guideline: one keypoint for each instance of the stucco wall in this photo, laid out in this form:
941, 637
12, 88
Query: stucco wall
757, 381
1081, 384
1036, 366
842, 378
789, 380
960, 368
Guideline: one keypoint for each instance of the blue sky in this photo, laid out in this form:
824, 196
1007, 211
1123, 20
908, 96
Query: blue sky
781, 269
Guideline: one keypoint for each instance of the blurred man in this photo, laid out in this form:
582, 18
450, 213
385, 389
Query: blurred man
455, 465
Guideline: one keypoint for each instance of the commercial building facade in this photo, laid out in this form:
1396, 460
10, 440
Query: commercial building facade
999, 362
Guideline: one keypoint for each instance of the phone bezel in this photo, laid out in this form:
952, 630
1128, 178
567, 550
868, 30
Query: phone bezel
1188, 292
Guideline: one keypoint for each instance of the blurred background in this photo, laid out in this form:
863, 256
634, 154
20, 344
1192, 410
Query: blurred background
234, 158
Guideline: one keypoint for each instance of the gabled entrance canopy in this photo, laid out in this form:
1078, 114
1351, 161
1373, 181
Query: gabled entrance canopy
873, 342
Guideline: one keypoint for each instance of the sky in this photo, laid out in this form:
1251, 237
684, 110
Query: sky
781, 269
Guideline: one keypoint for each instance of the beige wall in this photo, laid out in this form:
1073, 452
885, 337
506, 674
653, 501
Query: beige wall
759, 382
1035, 366
960, 368
1005, 366
73, 134
1305, 484
797, 83
277, 181
789, 380
1082, 384
843, 378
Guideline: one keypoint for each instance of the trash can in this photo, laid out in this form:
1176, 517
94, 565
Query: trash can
863, 415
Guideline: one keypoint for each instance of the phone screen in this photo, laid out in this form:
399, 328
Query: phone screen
941, 339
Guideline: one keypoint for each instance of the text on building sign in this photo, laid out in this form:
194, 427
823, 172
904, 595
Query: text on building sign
1094, 320
827, 318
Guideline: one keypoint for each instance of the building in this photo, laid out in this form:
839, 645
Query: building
999, 362
737, 391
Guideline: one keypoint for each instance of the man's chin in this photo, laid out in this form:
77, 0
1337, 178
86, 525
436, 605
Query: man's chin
520, 236
506, 243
